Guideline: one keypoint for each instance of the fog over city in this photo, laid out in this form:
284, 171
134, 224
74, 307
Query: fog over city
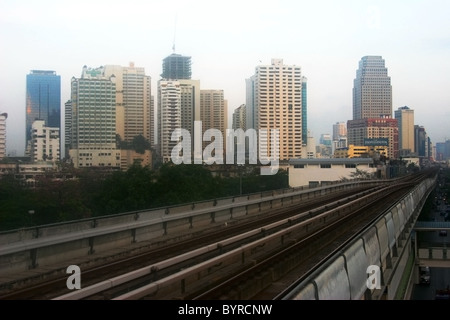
227, 40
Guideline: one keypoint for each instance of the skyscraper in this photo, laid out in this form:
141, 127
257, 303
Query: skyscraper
93, 130
250, 112
372, 107
134, 112
169, 116
239, 118
339, 135
43, 101
3, 117
304, 110
405, 118
178, 102
372, 90
176, 67
213, 112
339, 130
278, 106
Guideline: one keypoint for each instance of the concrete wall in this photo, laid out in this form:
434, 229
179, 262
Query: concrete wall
386, 245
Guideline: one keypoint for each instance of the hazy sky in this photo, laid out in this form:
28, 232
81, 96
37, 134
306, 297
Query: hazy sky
227, 40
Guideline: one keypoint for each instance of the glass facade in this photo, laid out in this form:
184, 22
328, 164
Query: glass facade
43, 100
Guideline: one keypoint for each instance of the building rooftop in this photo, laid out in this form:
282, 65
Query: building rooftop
335, 161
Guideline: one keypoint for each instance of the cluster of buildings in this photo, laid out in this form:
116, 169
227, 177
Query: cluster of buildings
112, 119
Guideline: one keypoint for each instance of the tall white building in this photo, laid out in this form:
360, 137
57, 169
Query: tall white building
169, 115
178, 108
3, 117
93, 130
45, 142
277, 96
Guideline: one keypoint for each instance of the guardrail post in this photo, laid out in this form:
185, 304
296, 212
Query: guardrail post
33, 257
133, 235
91, 245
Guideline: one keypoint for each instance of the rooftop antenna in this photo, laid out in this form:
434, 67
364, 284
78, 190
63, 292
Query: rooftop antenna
174, 33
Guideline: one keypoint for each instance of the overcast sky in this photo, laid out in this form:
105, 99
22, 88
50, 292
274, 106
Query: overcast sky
227, 40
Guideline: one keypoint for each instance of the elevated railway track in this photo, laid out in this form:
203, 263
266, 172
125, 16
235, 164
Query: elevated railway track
248, 258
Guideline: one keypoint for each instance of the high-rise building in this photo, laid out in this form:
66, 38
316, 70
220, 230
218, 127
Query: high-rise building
93, 130
277, 94
178, 108
421, 143
178, 102
250, 110
372, 107
176, 67
190, 104
45, 142
372, 90
339, 130
239, 118
339, 136
375, 132
304, 110
405, 118
213, 112
169, 116
134, 112
67, 127
43, 101
3, 117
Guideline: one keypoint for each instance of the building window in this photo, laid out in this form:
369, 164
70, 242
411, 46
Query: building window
299, 166
325, 166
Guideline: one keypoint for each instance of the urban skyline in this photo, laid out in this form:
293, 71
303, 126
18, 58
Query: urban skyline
326, 39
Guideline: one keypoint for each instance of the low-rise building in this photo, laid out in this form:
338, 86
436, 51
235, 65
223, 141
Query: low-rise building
318, 172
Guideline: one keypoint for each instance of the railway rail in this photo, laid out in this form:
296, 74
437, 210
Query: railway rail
213, 263
163, 249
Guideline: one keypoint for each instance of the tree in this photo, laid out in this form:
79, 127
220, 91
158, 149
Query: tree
140, 144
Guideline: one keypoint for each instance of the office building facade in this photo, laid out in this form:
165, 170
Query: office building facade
134, 110
213, 112
43, 101
405, 118
93, 122
3, 117
239, 118
372, 90
169, 116
45, 142
277, 96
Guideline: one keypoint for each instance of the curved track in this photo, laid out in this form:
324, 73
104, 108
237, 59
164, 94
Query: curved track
159, 263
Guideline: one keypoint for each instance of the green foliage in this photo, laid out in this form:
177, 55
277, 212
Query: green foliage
97, 193
139, 144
